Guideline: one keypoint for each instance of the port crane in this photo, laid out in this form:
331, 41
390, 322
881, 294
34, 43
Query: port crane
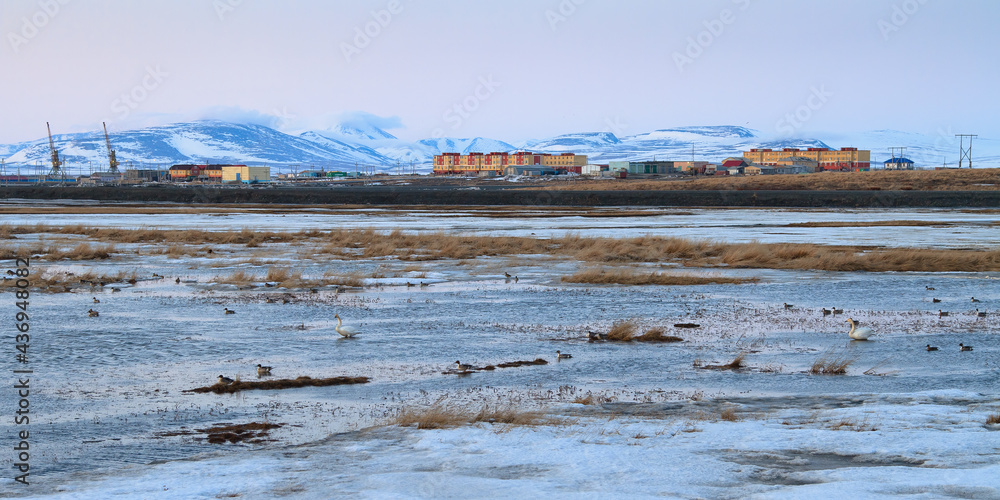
56, 163
112, 160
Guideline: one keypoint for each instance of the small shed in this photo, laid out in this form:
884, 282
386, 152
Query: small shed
898, 164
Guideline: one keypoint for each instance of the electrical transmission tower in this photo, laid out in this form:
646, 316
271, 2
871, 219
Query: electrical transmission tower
966, 153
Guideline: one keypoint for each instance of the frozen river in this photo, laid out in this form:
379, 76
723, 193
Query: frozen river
112, 416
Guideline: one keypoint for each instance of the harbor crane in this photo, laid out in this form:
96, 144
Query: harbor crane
56, 163
112, 160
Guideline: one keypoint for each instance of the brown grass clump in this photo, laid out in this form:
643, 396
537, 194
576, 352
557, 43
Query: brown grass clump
440, 416
631, 277
511, 416
831, 364
83, 251
435, 417
355, 279
363, 243
730, 415
735, 364
237, 277
852, 424
622, 331
239, 385
656, 335
588, 400
993, 419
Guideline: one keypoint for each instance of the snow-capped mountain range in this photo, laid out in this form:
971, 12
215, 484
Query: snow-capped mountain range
348, 146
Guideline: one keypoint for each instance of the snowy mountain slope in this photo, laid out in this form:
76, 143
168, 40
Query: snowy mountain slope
206, 141
348, 145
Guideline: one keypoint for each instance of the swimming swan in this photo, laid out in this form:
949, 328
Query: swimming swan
346, 331
858, 333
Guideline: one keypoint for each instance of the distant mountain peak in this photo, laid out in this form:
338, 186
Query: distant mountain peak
731, 131
360, 131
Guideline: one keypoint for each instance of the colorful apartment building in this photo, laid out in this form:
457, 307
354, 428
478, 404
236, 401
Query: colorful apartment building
846, 159
495, 163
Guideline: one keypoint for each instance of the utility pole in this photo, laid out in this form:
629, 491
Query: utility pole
965, 153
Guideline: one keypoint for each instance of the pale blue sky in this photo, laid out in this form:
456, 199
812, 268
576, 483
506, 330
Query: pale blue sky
515, 69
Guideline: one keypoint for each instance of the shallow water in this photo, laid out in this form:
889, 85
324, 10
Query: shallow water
106, 389
958, 229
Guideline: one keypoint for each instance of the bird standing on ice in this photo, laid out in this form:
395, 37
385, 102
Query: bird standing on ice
346, 331
858, 333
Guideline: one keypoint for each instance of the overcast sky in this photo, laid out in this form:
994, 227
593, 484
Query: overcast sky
509, 70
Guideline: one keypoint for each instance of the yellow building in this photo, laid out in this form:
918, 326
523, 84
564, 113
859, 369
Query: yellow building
245, 174
487, 163
851, 159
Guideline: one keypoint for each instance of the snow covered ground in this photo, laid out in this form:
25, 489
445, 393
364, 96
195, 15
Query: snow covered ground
923, 445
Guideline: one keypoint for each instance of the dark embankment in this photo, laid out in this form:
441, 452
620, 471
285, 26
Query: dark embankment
412, 195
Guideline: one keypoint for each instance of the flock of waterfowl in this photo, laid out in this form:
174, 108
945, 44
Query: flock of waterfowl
347, 331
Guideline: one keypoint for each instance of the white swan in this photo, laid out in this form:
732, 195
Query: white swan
346, 331
858, 333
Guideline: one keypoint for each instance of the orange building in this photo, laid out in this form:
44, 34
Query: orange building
211, 173
479, 163
846, 159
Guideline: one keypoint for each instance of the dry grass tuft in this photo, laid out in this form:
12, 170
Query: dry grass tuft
590, 399
622, 331
355, 279
435, 417
83, 251
440, 416
363, 243
993, 419
657, 335
238, 277
735, 364
831, 364
601, 276
851, 424
730, 415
